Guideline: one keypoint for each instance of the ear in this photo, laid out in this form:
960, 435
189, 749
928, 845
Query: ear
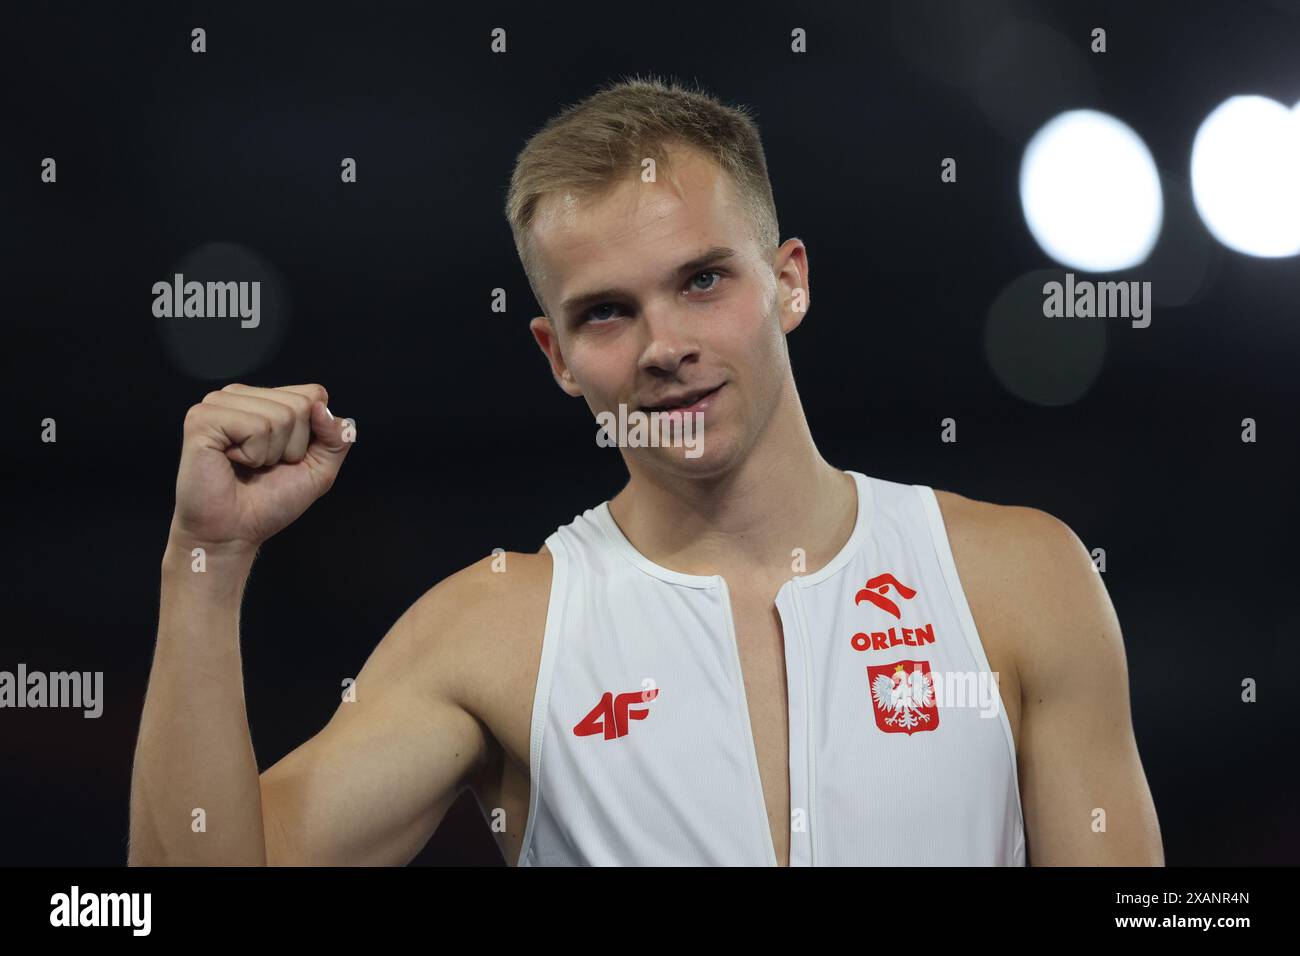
794, 294
544, 332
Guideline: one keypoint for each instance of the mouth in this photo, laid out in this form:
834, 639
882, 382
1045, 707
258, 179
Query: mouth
695, 401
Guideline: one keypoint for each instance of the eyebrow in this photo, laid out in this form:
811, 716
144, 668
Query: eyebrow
716, 254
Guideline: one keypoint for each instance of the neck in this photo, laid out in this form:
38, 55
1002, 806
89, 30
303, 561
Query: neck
750, 519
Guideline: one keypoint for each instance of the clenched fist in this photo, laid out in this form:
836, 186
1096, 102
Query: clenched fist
253, 460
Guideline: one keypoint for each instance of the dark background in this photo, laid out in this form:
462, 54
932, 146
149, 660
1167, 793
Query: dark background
465, 443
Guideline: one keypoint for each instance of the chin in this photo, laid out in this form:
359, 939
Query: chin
714, 457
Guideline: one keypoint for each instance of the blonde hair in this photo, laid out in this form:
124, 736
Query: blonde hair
587, 149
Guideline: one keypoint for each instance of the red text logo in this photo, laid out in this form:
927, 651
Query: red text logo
883, 640
611, 715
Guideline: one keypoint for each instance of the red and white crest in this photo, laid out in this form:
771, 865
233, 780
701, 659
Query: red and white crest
902, 694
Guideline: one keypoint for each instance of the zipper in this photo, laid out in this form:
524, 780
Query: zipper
809, 710
749, 730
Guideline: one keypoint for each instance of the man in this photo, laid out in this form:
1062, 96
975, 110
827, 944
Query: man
747, 656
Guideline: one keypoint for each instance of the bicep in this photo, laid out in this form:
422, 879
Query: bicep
1084, 792
372, 786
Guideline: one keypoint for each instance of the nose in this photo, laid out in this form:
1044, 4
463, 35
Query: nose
671, 339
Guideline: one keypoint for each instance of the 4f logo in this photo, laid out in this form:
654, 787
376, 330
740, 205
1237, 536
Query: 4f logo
611, 715
876, 589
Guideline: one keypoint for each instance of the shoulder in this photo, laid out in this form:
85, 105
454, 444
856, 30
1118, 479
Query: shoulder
477, 618
468, 605
1020, 542
1030, 581
473, 603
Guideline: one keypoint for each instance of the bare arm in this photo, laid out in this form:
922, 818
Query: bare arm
372, 786
1084, 792
252, 460
369, 789
194, 764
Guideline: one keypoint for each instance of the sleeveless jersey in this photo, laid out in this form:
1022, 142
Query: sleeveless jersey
641, 753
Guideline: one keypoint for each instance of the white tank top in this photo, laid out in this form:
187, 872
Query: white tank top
641, 751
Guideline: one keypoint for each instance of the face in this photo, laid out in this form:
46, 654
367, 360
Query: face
657, 296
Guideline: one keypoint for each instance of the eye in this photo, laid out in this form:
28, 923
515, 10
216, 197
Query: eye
594, 314
707, 272
591, 316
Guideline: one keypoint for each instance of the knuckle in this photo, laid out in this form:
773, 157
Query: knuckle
295, 402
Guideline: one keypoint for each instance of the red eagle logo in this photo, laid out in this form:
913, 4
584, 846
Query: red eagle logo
876, 589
